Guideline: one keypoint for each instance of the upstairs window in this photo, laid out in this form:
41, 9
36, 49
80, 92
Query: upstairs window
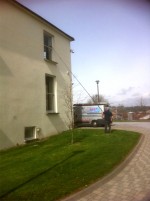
47, 46
50, 93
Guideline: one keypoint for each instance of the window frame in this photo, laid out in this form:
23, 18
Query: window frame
48, 48
51, 100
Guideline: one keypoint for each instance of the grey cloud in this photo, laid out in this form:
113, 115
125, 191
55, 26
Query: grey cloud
136, 95
125, 91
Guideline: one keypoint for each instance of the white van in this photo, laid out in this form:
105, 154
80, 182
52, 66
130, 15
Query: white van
89, 114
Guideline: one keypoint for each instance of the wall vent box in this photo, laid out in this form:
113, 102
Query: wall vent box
31, 133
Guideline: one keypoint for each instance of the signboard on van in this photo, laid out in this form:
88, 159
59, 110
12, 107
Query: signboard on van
92, 109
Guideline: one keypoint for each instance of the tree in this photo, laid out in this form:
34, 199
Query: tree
141, 103
68, 104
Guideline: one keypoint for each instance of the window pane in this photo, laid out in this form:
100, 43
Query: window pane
50, 102
49, 93
47, 40
48, 53
47, 46
49, 85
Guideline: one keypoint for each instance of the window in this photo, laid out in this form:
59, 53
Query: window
50, 93
47, 46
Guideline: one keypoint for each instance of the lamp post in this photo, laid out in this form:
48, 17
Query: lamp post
97, 82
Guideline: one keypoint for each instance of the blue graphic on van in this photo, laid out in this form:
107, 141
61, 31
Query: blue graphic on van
91, 110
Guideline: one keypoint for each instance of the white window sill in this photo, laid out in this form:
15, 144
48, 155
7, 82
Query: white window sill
51, 112
50, 61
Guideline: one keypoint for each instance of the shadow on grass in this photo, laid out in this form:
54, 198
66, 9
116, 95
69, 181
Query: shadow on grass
74, 153
113, 131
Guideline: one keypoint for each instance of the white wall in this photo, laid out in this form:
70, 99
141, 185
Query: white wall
22, 76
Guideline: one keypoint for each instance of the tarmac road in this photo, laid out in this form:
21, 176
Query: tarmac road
131, 180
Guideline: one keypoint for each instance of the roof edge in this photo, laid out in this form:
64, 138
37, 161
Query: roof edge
41, 18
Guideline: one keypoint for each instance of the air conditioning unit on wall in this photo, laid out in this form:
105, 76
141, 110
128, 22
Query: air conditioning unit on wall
31, 133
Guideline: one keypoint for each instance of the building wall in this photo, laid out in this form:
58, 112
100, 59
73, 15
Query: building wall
22, 75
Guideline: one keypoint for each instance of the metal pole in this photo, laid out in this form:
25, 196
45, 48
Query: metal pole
97, 82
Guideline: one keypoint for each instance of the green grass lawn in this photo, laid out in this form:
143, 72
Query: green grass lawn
51, 169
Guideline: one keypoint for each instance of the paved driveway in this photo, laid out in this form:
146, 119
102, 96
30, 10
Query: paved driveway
130, 181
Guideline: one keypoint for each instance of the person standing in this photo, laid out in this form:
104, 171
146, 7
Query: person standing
108, 119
